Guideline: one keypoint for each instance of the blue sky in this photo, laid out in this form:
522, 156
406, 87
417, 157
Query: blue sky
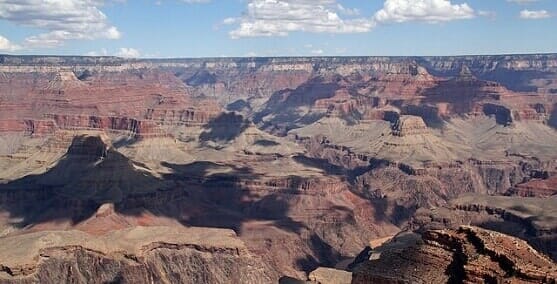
214, 28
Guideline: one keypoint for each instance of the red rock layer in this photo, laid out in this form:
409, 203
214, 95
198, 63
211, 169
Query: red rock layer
134, 102
536, 188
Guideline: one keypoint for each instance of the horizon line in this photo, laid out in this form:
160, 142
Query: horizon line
279, 56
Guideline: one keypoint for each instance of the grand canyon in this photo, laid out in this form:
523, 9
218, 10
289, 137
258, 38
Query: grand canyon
278, 169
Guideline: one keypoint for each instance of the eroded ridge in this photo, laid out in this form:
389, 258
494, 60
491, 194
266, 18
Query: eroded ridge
137, 255
466, 255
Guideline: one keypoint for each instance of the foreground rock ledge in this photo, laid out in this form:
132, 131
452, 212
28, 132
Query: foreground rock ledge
466, 255
135, 255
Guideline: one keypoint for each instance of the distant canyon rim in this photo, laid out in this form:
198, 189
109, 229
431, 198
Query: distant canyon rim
260, 170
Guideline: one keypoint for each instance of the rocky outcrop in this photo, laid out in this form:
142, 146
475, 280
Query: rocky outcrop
64, 79
29, 126
405, 82
516, 72
531, 219
324, 275
408, 125
553, 117
136, 255
502, 114
127, 125
54, 122
466, 255
536, 188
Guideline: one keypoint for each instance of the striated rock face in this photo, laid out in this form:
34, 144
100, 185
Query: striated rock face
139, 103
64, 79
408, 125
330, 276
531, 219
536, 188
469, 255
503, 115
137, 255
302, 89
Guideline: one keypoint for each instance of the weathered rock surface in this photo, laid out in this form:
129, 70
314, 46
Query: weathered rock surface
325, 275
408, 125
468, 255
537, 187
136, 255
531, 219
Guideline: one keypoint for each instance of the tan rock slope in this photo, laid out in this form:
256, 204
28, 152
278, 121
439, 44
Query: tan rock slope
137, 255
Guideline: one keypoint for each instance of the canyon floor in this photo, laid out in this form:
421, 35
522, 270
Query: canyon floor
263, 170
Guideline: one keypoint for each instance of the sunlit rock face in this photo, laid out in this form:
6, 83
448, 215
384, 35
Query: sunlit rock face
468, 255
307, 160
138, 255
409, 125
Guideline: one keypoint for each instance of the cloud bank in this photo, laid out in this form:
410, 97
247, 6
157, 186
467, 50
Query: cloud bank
534, 15
61, 20
281, 17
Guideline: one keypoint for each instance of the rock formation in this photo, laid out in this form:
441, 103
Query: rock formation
138, 255
531, 219
330, 276
64, 79
536, 188
408, 125
468, 255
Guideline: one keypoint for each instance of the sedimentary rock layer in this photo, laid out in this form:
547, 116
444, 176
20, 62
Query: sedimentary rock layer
136, 255
468, 255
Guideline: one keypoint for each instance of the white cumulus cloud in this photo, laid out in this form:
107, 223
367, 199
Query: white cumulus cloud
348, 11
488, 14
431, 11
128, 52
196, 1
280, 17
7, 45
317, 51
60, 20
522, 2
101, 52
534, 15
230, 21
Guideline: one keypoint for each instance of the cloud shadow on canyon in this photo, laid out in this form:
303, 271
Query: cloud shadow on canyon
283, 111
384, 209
224, 128
553, 117
201, 193
204, 194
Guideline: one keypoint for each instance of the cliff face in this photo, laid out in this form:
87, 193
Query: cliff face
138, 255
405, 83
466, 255
531, 219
